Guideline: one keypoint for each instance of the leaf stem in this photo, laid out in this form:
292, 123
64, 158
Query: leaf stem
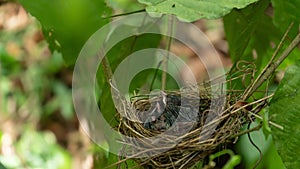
124, 14
166, 59
155, 74
105, 65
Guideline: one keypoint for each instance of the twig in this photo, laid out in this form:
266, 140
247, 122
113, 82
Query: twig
105, 65
247, 131
271, 66
187, 161
257, 148
237, 110
280, 43
154, 76
270, 122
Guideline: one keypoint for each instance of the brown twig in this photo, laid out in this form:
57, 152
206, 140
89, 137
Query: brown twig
247, 131
272, 65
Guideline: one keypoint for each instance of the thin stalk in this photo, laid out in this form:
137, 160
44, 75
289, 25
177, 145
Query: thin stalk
166, 59
270, 122
255, 146
247, 131
124, 14
272, 58
271, 67
155, 74
105, 65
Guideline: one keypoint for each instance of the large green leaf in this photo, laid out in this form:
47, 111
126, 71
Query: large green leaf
251, 29
244, 36
286, 12
285, 111
192, 10
242, 25
251, 35
67, 24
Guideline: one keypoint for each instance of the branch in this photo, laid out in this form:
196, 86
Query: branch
271, 66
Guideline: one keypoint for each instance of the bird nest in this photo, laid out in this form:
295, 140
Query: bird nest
177, 129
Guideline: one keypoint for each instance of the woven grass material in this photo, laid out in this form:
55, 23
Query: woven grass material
164, 146
164, 137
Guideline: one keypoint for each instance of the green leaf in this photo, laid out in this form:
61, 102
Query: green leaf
244, 23
233, 162
2, 166
257, 36
285, 111
286, 12
115, 56
37, 150
192, 10
247, 41
68, 24
124, 5
104, 159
